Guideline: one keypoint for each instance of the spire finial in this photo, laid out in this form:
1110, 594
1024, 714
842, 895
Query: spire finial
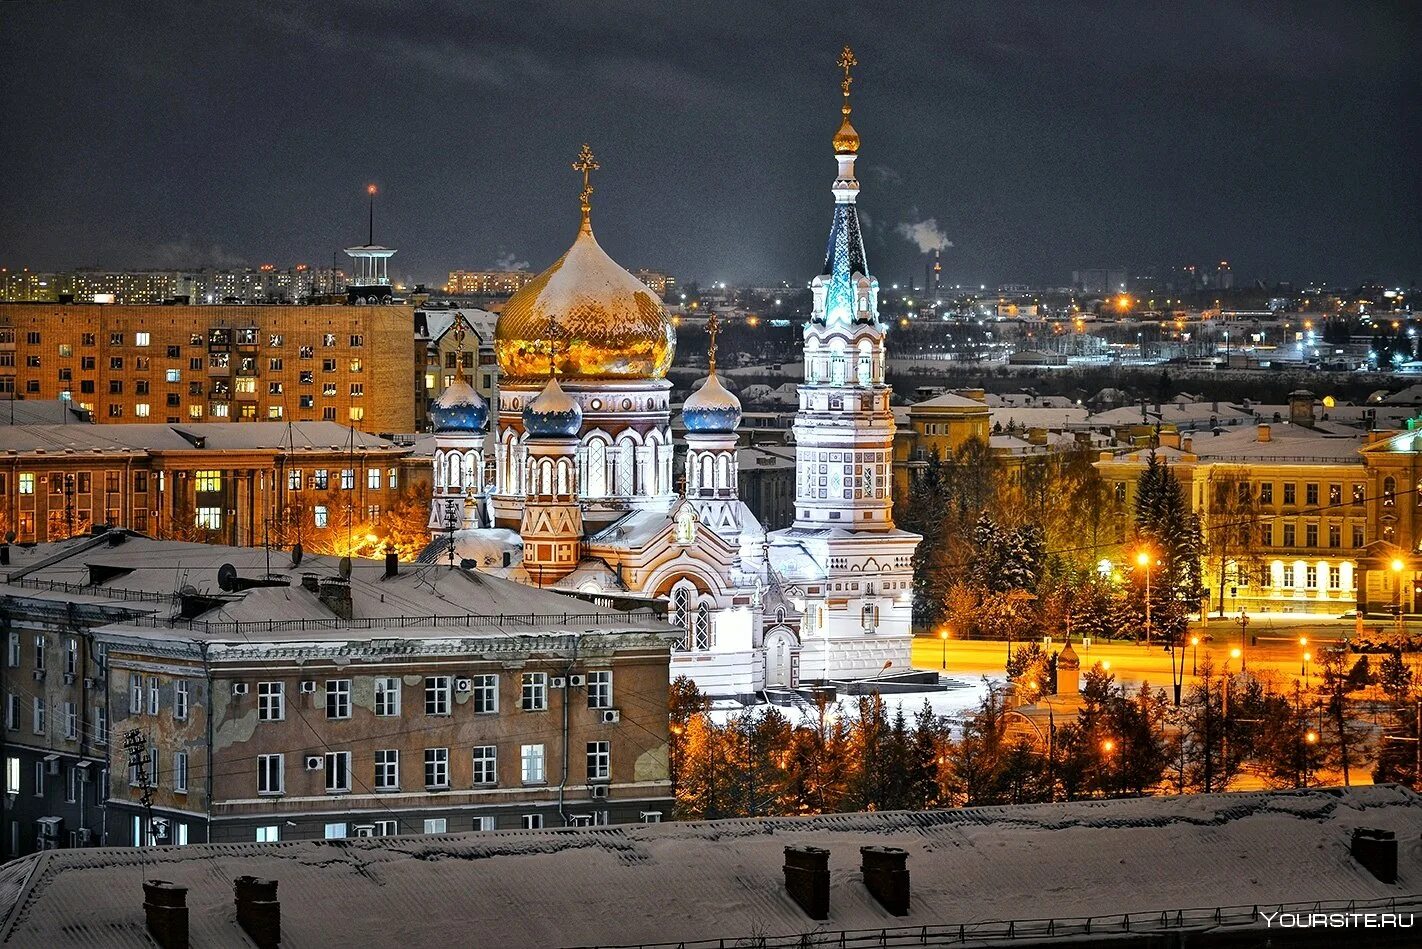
713, 325
587, 164
459, 345
846, 62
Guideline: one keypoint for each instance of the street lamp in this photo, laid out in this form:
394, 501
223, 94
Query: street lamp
1397, 566
1303, 667
1195, 656
1143, 558
943, 634
1243, 625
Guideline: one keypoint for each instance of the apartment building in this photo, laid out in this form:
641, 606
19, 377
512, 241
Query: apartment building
440, 356
243, 485
346, 364
308, 700
1288, 509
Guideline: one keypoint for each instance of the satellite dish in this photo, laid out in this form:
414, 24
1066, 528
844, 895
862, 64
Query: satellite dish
187, 589
345, 568
296, 553
227, 577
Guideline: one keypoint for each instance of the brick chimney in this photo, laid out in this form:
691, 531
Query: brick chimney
392, 564
1264, 432
165, 908
886, 877
335, 595
258, 911
807, 879
1301, 407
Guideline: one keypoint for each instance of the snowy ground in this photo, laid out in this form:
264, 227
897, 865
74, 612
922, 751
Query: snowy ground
962, 697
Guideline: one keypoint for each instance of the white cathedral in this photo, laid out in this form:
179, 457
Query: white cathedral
583, 496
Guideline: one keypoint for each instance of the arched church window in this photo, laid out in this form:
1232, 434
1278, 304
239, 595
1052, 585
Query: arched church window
595, 478
1389, 492
679, 614
704, 477
723, 472
866, 363
701, 628
564, 487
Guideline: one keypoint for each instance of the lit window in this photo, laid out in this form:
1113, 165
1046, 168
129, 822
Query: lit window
372, 478
533, 764
27, 483
208, 480
209, 518
357, 413
174, 375
141, 410
140, 339
320, 515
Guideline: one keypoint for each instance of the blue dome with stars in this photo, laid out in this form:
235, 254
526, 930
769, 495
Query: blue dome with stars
552, 414
712, 408
459, 409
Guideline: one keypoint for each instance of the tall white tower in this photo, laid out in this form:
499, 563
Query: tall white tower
859, 624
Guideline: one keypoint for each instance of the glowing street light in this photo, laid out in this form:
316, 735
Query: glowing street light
943, 634
1195, 656
1144, 559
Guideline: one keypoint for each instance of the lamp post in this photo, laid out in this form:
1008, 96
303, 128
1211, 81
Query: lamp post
1243, 625
943, 634
1143, 558
1397, 566
1303, 667
1195, 655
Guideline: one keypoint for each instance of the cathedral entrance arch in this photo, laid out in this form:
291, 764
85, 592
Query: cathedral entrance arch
779, 651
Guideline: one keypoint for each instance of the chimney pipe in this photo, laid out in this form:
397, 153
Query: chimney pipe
1376, 850
886, 877
1265, 434
392, 564
335, 595
807, 879
258, 910
165, 908
310, 583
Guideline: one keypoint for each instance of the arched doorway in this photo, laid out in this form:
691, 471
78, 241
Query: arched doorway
779, 661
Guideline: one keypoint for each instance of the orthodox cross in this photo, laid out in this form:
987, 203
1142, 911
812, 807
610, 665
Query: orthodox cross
712, 326
587, 164
846, 62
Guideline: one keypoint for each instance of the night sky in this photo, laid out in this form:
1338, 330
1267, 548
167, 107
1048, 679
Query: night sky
1037, 138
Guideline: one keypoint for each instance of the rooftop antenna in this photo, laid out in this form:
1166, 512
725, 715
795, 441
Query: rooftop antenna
370, 236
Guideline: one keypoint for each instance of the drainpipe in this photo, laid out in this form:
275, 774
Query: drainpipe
567, 691
207, 712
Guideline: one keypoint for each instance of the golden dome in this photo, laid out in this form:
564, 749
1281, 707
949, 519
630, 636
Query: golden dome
846, 139
602, 322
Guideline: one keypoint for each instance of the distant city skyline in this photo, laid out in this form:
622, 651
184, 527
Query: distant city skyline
1024, 147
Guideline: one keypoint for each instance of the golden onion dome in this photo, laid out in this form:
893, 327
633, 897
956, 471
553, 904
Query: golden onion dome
584, 316
846, 139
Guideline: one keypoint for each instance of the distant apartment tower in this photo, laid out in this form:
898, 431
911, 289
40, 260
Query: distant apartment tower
1099, 280
1224, 276
486, 283
347, 364
264, 284
663, 285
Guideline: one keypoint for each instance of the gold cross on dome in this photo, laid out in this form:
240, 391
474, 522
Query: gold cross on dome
846, 62
712, 326
587, 164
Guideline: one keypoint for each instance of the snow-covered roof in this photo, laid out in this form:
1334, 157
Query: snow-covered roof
138, 565
666, 883
1037, 417
216, 436
948, 400
1285, 443
1174, 413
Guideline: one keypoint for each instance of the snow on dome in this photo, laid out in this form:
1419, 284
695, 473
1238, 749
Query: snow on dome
711, 408
607, 324
458, 409
552, 414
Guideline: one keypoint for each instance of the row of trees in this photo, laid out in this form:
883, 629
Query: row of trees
1017, 552
1120, 742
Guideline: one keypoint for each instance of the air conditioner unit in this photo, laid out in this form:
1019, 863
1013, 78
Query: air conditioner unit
83, 837
314, 762
610, 716
599, 790
89, 683
39, 675
308, 686
557, 682
577, 682
365, 830
68, 678
464, 685
239, 688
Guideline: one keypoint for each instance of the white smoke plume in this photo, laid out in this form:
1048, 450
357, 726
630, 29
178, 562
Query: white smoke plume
926, 234
507, 261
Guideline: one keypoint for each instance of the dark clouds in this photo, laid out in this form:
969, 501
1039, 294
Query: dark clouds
1038, 137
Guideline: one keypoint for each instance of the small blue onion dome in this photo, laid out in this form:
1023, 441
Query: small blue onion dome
552, 414
459, 409
711, 408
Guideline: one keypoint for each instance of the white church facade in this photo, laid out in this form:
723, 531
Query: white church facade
583, 497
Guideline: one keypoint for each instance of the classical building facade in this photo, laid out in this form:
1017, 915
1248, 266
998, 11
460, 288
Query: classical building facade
346, 364
244, 485
391, 699
583, 496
